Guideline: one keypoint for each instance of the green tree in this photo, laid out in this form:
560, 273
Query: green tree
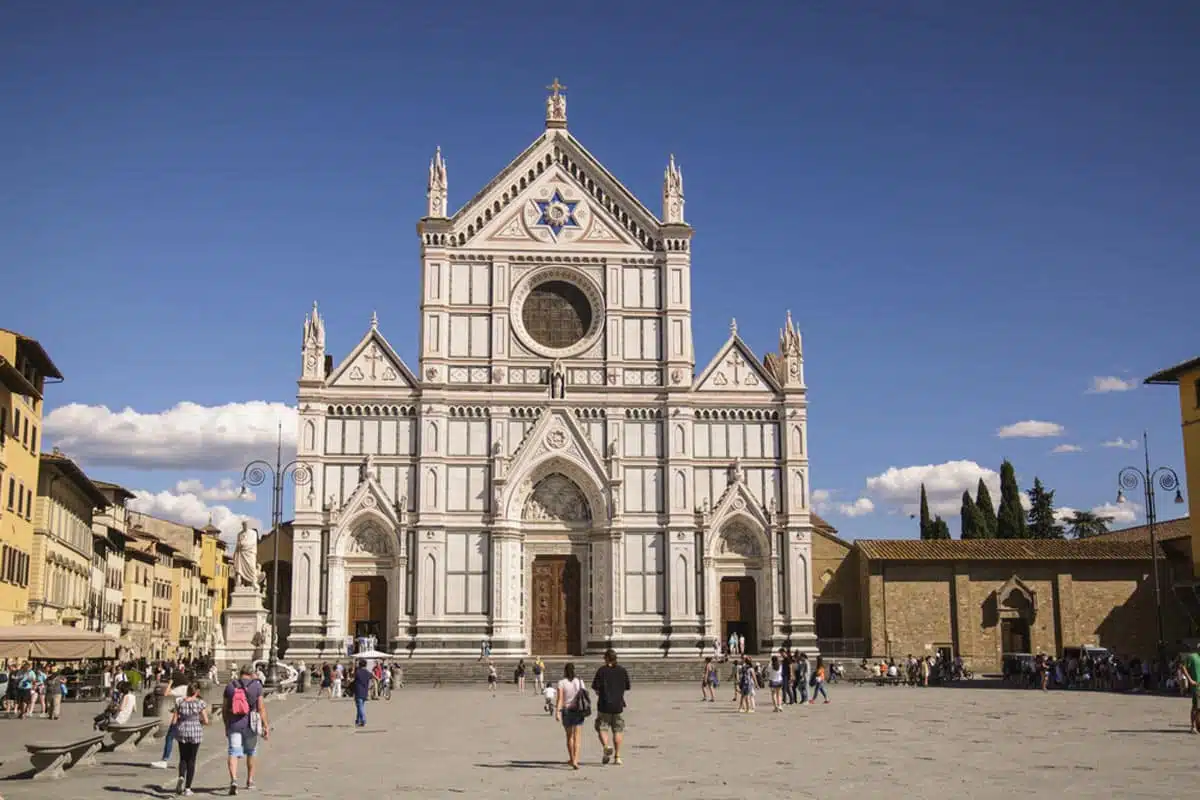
971, 521
1083, 524
938, 529
926, 522
1042, 522
987, 511
1010, 519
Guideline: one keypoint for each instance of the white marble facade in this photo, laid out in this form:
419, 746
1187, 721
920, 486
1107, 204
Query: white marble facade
556, 411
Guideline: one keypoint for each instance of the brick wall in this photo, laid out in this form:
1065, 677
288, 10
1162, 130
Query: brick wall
836, 580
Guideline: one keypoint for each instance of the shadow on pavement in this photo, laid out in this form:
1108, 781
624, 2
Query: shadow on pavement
527, 765
1153, 730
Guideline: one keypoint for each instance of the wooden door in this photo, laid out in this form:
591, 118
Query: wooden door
555, 628
739, 610
367, 607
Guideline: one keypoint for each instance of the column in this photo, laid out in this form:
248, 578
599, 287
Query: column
507, 590
336, 621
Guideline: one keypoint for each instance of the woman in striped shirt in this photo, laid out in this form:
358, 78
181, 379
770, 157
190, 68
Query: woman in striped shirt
191, 714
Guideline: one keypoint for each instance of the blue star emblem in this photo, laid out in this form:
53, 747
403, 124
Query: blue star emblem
557, 213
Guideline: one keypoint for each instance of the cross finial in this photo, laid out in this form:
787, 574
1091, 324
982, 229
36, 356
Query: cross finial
733, 327
556, 87
374, 321
556, 106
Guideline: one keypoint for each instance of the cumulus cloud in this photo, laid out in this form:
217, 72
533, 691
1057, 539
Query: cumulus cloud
1030, 429
1121, 513
1067, 448
186, 437
188, 509
224, 492
1126, 444
1064, 513
944, 484
821, 500
858, 508
1110, 383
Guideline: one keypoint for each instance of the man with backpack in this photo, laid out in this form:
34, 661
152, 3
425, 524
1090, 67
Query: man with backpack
245, 720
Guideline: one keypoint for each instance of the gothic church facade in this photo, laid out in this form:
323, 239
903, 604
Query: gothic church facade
555, 477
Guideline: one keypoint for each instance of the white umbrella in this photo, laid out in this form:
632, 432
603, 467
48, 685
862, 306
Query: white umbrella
374, 655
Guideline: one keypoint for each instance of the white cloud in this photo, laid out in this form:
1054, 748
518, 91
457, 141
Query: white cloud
1031, 429
1067, 448
188, 436
1064, 513
821, 500
1126, 444
858, 508
1121, 513
188, 509
1110, 383
944, 485
224, 492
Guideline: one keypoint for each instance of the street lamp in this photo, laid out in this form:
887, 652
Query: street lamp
255, 474
1166, 479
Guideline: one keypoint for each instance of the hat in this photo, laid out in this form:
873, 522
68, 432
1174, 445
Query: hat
249, 669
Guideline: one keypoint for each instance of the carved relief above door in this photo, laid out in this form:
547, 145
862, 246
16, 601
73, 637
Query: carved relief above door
556, 498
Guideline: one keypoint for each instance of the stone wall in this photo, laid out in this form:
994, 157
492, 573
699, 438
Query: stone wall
836, 579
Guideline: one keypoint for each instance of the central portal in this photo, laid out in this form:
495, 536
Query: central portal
367, 607
739, 612
556, 619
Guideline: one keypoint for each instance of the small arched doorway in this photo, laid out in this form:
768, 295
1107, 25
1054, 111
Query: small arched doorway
738, 560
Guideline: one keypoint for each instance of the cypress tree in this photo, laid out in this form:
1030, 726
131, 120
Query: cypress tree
970, 518
1010, 520
926, 522
1042, 522
938, 529
987, 511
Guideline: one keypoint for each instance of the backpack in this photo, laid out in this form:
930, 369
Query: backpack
582, 702
239, 706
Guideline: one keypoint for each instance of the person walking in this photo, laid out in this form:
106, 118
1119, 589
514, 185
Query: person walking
818, 681
492, 678
539, 675
166, 710
520, 673
56, 687
610, 684
708, 683
362, 690
566, 709
187, 720
245, 716
802, 677
1191, 676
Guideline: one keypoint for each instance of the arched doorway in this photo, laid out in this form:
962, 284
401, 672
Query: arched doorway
555, 506
739, 611
367, 610
740, 592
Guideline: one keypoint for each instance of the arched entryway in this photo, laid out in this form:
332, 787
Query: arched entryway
365, 583
739, 586
739, 611
555, 512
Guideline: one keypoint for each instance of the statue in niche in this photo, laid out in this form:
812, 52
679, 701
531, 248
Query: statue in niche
558, 381
739, 540
556, 497
614, 448
367, 468
736, 473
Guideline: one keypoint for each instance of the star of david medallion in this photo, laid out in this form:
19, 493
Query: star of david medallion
556, 213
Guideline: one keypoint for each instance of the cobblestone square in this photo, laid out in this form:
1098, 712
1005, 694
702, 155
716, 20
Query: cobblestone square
967, 742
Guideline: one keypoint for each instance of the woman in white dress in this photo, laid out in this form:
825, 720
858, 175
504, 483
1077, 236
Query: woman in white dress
564, 709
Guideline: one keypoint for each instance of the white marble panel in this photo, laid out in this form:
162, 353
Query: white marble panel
480, 275
352, 439
333, 482
460, 336
650, 287
333, 437
406, 438
460, 283
370, 436
737, 440
479, 336
702, 439
388, 437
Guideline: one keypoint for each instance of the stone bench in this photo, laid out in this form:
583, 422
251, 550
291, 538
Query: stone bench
50, 761
127, 737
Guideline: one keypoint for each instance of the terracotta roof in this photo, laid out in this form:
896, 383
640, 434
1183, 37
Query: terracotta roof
1094, 549
1164, 531
71, 471
1171, 375
821, 526
36, 353
11, 377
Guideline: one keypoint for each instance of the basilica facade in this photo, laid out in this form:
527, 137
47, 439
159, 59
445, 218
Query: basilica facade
555, 476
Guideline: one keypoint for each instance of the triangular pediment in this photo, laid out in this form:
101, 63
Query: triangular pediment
591, 210
735, 369
555, 444
369, 498
373, 364
738, 501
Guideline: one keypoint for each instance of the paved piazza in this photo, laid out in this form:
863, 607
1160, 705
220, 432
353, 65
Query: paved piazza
871, 741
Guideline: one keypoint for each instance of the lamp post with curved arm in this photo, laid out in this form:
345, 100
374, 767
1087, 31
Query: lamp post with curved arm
1166, 479
255, 474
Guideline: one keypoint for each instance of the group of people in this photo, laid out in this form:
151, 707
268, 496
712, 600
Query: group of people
914, 671
339, 680
789, 675
32, 685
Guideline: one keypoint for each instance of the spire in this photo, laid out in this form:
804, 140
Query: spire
437, 189
556, 106
733, 326
314, 345
673, 193
374, 321
790, 372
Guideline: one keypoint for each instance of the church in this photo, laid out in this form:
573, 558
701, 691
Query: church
555, 477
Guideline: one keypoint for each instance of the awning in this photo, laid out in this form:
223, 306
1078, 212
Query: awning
55, 642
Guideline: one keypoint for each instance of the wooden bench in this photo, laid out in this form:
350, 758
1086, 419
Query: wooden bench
50, 761
127, 737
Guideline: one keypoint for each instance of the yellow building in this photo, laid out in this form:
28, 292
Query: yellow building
211, 596
24, 369
1187, 377
110, 534
137, 631
61, 576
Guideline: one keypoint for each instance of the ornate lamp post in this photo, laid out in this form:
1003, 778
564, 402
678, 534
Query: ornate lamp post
255, 474
1166, 479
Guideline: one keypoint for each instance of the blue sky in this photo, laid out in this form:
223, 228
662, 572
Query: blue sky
972, 210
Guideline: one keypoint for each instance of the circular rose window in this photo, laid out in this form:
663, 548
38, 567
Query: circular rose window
557, 312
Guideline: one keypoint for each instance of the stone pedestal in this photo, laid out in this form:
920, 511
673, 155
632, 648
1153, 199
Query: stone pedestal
245, 619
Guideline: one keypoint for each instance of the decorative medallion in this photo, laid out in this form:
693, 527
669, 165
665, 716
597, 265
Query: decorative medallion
738, 504
677, 376
369, 501
431, 373
556, 213
557, 438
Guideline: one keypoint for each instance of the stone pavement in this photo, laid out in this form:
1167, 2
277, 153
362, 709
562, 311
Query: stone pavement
969, 741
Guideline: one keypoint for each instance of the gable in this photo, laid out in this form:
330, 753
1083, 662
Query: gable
507, 211
373, 363
735, 369
556, 433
